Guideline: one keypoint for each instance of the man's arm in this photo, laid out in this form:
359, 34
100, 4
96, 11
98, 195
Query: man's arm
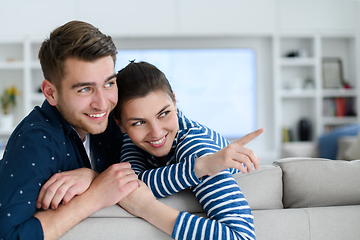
107, 189
63, 186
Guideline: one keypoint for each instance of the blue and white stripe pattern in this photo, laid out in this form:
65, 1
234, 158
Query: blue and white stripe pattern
229, 214
228, 211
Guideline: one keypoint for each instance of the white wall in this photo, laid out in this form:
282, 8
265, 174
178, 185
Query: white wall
256, 20
179, 17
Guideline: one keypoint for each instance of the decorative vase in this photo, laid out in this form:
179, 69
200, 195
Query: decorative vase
304, 129
6, 122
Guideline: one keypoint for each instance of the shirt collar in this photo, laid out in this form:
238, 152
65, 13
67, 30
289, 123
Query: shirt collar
54, 115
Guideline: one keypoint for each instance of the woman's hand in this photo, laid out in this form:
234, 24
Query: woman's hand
136, 202
232, 156
142, 203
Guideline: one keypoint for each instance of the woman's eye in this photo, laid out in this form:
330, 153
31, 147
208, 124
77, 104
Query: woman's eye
163, 114
138, 123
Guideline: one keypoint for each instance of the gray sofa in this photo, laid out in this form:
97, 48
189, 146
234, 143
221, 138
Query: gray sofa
296, 198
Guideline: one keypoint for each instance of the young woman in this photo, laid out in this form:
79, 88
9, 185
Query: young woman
170, 153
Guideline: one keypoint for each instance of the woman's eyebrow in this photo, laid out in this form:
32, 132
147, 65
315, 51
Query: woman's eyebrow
165, 107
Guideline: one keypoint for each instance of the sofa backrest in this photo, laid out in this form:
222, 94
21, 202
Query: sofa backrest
316, 182
262, 188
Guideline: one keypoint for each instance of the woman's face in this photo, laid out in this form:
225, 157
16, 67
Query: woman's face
151, 122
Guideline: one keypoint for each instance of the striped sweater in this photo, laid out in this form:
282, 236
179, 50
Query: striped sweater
228, 211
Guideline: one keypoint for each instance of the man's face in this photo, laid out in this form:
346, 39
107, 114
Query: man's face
88, 94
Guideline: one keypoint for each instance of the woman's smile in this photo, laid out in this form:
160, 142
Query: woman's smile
158, 143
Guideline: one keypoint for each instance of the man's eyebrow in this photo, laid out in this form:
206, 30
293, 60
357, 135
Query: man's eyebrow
111, 77
84, 84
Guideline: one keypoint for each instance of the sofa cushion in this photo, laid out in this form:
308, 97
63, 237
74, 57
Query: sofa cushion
281, 224
330, 223
262, 188
316, 182
334, 223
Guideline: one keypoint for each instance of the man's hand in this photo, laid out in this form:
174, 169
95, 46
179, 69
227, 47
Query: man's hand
62, 187
107, 189
113, 185
232, 156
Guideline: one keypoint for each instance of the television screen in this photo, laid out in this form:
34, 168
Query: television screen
216, 87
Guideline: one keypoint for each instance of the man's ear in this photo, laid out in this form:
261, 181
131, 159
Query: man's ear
120, 125
50, 92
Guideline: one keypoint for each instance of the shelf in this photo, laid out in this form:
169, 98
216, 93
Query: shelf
299, 149
35, 65
339, 120
298, 93
339, 92
300, 61
12, 65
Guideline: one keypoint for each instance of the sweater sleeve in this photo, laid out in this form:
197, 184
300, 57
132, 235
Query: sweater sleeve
228, 211
165, 181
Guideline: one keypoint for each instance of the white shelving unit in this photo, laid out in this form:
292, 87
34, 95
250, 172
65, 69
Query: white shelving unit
12, 72
298, 57
19, 66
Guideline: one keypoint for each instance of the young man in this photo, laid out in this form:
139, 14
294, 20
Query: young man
66, 141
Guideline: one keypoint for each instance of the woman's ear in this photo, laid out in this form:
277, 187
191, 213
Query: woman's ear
50, 92
174, 97
120, 125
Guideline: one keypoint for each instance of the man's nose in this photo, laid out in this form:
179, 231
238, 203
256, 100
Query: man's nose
99, 101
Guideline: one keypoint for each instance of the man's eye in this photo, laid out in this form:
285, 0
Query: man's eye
86, 89
109, 84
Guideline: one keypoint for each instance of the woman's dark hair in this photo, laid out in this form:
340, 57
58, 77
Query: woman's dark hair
137, 80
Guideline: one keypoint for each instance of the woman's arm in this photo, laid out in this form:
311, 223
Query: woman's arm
196, 155
221, 197
165, 181
228, 211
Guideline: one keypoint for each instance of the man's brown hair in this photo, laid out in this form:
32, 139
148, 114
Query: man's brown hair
75, 39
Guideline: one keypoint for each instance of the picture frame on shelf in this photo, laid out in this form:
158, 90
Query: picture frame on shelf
332, 73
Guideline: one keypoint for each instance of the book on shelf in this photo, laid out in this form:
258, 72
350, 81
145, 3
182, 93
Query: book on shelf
339, 107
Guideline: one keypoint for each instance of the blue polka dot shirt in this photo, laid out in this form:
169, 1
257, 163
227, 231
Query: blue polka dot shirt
42, 145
